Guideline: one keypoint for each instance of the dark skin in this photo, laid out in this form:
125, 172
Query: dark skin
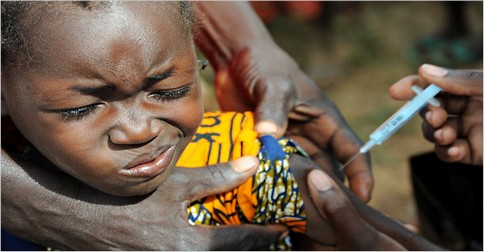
247, 61
219, 237
355, 222
101, 119
307, 117
358, 226
129, 215
114, 114
83, 98
308, 122
456, 126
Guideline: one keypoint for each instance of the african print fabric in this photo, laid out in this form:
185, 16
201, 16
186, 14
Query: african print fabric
270, 196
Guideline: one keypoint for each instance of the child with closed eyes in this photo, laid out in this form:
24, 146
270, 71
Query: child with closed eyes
108, 92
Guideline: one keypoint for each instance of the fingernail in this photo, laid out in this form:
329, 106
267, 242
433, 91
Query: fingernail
453, 151
320, 180
434, 70
438, 134
266, 128
244, 164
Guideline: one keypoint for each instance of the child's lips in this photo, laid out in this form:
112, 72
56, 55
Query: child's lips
151, 167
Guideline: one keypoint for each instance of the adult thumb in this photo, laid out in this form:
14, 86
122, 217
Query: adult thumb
214, 179
459, 82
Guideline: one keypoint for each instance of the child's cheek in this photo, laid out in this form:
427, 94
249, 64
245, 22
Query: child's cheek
190, 115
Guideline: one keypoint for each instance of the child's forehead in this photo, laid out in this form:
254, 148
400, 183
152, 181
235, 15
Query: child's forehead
130, 38
94, 6
76, 29
59, 10
25, 23
42, 14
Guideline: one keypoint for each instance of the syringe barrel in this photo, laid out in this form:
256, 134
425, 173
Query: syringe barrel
405, 113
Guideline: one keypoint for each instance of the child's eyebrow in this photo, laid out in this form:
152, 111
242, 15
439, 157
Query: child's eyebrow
92, 90
108, 88
159, 77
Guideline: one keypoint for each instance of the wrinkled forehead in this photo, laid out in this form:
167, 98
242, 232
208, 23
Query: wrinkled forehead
62, 11
80, 30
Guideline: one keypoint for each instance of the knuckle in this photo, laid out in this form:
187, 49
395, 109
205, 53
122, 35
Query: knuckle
283, 85
473, 75
339, 208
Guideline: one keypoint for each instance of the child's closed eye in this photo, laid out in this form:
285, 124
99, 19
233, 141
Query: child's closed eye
171, 95
77, 113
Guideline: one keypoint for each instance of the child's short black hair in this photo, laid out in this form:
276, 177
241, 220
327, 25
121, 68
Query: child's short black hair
15, 41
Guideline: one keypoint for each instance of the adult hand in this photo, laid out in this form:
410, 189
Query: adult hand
253, 73
58, 211
282, 90
358, 226
456, 126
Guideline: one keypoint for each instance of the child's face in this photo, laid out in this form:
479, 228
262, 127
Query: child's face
112, 96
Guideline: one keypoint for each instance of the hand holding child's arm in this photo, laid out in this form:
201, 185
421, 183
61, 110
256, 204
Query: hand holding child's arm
358, 226
456, 127
253, 73
53, 209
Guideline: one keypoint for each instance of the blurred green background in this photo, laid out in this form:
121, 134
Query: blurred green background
356, 50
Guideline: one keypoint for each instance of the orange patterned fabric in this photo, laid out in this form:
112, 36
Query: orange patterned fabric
270, 196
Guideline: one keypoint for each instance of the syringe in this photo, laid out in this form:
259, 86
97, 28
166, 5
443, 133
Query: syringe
397, 120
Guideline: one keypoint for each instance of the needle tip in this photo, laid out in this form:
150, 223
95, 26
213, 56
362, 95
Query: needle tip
349, 161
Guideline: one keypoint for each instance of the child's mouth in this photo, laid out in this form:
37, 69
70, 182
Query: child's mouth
151, 167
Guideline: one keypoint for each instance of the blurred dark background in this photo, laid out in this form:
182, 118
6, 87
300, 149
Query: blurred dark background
356, 50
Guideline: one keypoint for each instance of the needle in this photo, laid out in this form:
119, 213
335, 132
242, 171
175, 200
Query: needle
397, 120
349, 161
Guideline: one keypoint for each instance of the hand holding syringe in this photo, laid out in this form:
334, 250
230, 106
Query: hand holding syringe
397, 120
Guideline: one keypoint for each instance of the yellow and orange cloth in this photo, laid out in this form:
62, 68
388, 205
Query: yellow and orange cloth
270, 196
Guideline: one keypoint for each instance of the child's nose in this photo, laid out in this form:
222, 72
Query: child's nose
135, 131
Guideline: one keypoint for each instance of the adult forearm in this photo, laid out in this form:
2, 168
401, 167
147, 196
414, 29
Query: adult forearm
227, 28
30, 200
55, 210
